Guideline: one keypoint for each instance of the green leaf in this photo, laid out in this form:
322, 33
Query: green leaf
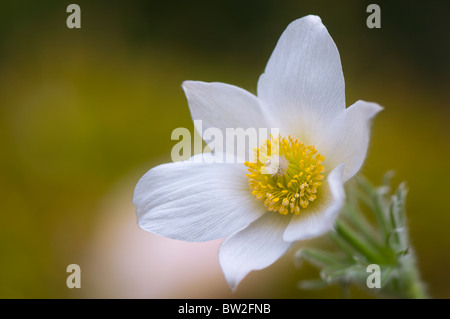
312, 284
367, 250
361, 243
320, 258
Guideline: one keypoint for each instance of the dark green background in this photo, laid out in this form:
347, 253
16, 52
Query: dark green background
84, 113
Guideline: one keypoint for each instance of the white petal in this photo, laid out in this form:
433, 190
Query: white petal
255, 247
317, 220
222, 106
347, 139
303, 84
195, 201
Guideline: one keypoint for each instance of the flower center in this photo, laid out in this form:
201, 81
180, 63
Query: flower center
285, 174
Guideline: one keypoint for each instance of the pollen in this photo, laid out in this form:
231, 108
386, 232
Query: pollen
285, 174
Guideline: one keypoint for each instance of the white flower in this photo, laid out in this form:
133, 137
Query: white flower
302, 93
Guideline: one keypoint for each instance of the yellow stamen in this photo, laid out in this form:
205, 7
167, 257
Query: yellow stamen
290, 170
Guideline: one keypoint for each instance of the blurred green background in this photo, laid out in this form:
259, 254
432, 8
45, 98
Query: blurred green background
84, 113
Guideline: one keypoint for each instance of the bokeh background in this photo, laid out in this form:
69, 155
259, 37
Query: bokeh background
84, 113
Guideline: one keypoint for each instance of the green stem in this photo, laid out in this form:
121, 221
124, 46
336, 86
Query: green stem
414, 288
363, 247
375, 203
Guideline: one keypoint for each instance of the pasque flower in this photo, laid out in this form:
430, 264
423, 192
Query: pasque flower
258, 209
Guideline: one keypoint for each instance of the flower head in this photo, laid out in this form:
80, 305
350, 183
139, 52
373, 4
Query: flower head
293, 189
